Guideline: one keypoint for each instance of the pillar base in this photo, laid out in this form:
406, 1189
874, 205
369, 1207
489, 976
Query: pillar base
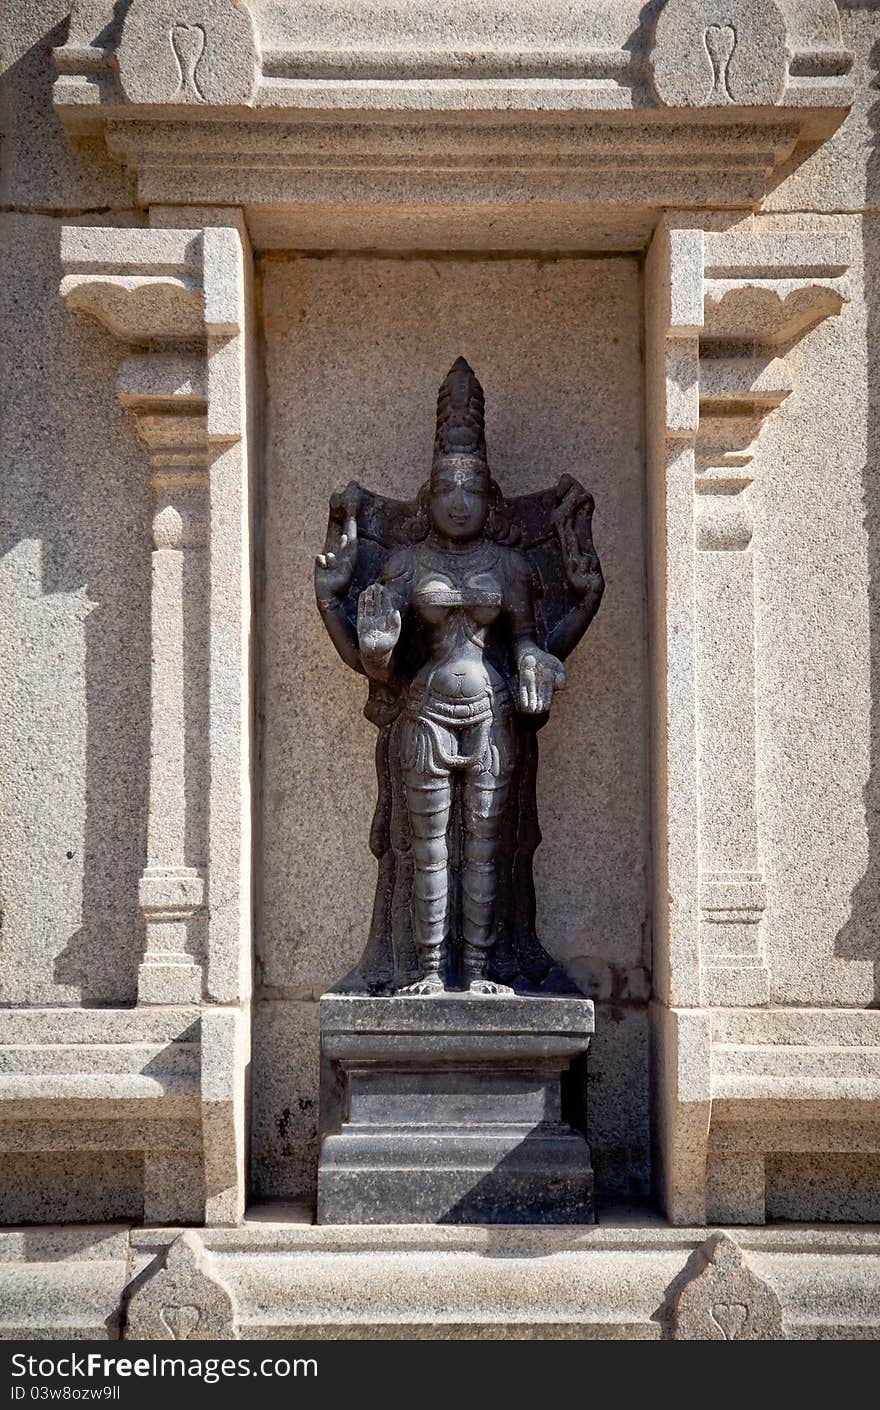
170, 982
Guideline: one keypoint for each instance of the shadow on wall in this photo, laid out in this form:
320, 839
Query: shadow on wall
860, 937
42, 169
75, 565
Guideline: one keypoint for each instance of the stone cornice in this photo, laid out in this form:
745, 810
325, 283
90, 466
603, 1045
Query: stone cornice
595, 56
251, 104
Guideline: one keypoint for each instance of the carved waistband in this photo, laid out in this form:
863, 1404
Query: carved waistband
492, 703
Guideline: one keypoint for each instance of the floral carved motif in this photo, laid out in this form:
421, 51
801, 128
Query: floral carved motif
723, 1299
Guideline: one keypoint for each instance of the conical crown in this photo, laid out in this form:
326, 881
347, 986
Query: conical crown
461, 427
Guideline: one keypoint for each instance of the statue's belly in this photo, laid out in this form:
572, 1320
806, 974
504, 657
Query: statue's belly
460, 680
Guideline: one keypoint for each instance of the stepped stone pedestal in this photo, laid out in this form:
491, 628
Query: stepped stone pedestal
454, 1109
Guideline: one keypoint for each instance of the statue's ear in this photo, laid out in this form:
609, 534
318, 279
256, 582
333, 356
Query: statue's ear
499, 525
415, 528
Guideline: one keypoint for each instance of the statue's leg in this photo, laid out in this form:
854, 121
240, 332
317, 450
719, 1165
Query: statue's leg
485, 796
429, 800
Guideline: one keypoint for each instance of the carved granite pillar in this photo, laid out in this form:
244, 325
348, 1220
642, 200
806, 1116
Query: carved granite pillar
179, 293
172, 888
760, 293
732, 890
721, 306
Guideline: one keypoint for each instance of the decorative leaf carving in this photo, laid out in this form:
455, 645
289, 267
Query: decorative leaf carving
188, 42
723, 1299
180, 1297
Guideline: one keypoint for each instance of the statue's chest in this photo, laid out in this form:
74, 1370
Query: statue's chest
448, 591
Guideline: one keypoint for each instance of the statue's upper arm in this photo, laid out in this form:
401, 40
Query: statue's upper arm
520, 592
397, 576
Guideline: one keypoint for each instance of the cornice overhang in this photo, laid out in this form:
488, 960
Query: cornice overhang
682, 103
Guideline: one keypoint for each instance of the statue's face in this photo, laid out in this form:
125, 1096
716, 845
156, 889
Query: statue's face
459, 500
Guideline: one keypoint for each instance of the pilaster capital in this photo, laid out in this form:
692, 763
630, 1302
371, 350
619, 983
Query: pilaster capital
727, 305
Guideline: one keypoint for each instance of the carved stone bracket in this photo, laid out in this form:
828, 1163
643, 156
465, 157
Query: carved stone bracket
178, 297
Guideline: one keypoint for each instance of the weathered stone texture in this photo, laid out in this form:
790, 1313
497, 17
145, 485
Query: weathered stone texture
706, 54
817, 595
180, 1298
285, 1078
842, 173
70, 1187
723, 1299
62, 1282
618, 1100
842, 1188
41, 169
211, 56
75, 646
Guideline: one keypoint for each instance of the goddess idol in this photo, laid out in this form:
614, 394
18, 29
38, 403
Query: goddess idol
460, 608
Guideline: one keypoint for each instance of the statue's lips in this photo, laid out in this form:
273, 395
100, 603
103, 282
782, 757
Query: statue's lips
456, 597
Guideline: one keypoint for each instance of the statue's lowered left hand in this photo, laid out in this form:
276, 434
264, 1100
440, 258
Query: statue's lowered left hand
538, 676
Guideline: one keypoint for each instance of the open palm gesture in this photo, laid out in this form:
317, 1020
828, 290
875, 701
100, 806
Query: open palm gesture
378, 626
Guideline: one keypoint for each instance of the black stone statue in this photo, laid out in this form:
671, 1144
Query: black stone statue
460, 607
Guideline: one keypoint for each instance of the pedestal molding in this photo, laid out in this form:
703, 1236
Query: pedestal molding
296, 1281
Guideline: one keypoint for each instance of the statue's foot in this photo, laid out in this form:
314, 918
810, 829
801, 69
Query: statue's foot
488, 986
428, 984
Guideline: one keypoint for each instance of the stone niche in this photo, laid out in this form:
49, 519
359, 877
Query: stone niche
594, 205
353, 345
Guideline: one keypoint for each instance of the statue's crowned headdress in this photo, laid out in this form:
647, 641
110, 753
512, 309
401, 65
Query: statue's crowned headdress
461, 424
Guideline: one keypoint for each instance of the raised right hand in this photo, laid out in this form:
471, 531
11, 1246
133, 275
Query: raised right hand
334, 568
378, 624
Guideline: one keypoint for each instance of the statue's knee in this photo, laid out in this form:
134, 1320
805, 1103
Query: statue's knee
480, 848
428, 809
484, 807
428, 828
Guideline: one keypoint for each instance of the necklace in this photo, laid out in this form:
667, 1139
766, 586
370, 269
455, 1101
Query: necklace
470, 549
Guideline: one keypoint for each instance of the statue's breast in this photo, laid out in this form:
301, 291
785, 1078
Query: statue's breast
438, 593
